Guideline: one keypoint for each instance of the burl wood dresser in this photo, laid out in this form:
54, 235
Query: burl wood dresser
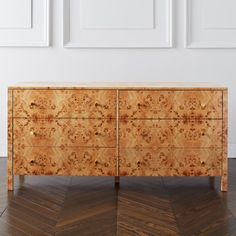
166, 129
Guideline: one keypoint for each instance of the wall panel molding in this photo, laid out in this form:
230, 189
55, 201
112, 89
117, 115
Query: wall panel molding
119, 24
210, 24
137, 14
27, 25
15, 14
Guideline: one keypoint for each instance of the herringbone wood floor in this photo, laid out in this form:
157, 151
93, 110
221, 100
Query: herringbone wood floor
67, 206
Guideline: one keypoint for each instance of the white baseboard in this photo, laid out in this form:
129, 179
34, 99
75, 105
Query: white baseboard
232, 150
3, 149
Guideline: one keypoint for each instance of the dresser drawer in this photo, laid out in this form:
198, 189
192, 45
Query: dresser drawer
64, 103
170, 104
65, 132
170, 133
68, 161
170, 162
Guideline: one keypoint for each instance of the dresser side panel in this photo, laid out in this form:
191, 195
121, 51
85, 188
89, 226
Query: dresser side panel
224, 178
10, 141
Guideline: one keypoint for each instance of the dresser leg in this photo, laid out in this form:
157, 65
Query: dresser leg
224, 182
10, 177
117, 180
224, 177
10, 181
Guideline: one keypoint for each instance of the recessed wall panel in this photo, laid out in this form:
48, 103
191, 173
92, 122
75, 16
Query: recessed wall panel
218, 14
15, 14
210, 23
24, 23
117, 14
117, 23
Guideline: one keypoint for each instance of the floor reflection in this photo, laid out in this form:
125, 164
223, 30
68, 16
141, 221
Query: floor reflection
139, 206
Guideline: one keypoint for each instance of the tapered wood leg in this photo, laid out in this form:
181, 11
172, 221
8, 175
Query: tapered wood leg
10, 183
10, 177
224, 183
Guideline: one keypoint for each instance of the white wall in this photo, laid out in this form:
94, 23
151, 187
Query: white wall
136, 65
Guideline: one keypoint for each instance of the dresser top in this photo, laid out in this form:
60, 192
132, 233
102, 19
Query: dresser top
96, 85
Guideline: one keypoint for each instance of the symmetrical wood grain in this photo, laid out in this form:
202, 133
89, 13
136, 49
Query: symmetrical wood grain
145, 133
152, 122
170, 162
46, 104
65, 132
170, 104
197, 105
170, 133
113, 132
64, 161
145, 104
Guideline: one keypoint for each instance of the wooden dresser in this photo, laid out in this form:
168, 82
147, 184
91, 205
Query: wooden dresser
166, 129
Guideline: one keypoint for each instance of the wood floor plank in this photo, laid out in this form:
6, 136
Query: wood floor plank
7, 229
102, 224
144, 210
28, 203
97, 207
26, 222
200, 210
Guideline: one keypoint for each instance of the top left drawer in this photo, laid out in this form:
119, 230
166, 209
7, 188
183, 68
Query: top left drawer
47, 104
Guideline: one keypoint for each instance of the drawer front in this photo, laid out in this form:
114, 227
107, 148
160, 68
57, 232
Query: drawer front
65, 132
64, 103
170, 162
68, 161
170, 133
170, 104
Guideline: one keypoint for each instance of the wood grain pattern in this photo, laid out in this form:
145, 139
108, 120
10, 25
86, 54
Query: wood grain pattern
170, 133
170, 162
65, 132
145, 104
197, 105
224, 178
46, 104
10, 141
113, 131
170, 104
64, 161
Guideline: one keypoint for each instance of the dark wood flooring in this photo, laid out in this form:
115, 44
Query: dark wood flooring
68, 206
